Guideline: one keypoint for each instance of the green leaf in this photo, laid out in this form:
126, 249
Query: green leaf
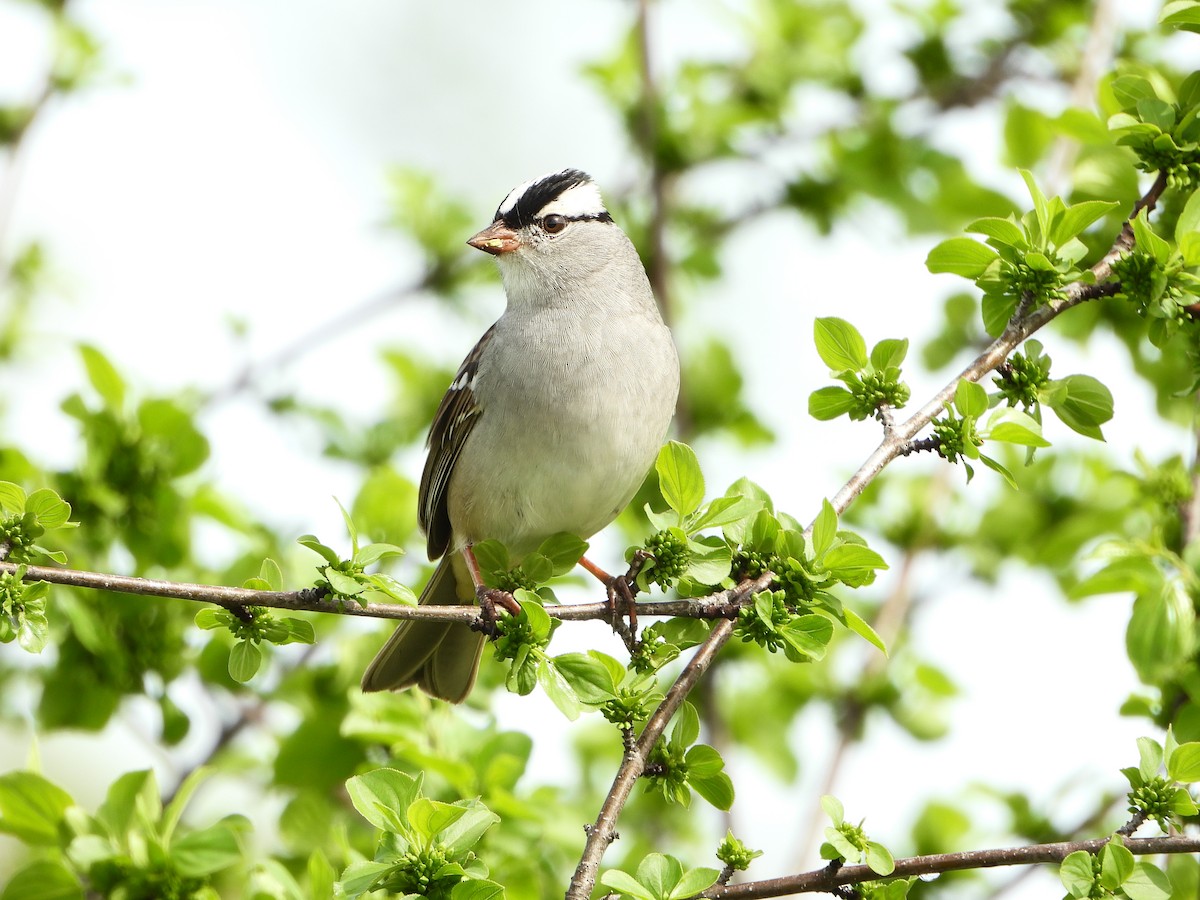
31, 808
660, 873
1182, 14
824, 528
104, 377
879, 859
839, 344
627, 885
960, 256
464, 834
1150, 757
270, 572
341, 583
476, 889
844, 559
372, 553
1085, 405
830, 402
558, 689
716, 790
999, 470
310, 541
43, 880
1003, 231
590, 679
49, 508
213, 617
997, 310
12, 498
1147, 882
808, 635
687, 726
1015, 427
133, 798
1184, 764
1075, 219
1189, 219
1040, 206
564, 551
680, 478
833, 808
244, 660
428, 817
381, 795
1076, 874
695, 880
207, 851
1116, 864
863, 629
721, 512
970, 399
889, 353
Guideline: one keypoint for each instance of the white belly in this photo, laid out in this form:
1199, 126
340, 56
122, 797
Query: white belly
567, 433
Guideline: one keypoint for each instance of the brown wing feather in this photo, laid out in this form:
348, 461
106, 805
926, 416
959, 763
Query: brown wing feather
455, 417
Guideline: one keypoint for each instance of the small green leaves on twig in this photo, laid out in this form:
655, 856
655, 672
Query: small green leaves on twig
23, 611
959, 437
1155, 796
677, 766
25, 519
1164, 132
347, 579
556, 556
425, 849
849, 843
1113, 873
660, 877
252, 625
872, 385
1028, 261
736, 855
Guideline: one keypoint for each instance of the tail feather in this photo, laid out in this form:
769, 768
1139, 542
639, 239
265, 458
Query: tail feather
440, 657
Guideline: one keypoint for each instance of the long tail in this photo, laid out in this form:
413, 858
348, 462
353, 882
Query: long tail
442, 658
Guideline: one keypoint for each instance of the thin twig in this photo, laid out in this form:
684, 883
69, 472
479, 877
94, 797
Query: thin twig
823, 880
345, 320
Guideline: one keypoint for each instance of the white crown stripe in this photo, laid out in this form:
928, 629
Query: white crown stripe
580, 200
515, 194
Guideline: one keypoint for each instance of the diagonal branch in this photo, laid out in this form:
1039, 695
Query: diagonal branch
824, 880
1018, 329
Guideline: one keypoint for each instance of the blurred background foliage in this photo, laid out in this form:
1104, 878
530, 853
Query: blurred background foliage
834, 113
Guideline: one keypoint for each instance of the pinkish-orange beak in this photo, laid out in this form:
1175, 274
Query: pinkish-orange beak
497, 238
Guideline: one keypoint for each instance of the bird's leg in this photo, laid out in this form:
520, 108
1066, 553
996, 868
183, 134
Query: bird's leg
623, 588
489, 598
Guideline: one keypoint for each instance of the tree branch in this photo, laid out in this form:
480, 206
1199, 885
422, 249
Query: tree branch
720, 605
603, 832
1018, 329
823, 880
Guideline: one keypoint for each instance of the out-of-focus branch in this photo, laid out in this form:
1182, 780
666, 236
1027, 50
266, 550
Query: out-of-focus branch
316, 337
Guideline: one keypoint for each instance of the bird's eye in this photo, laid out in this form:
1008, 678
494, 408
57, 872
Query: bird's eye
554, 224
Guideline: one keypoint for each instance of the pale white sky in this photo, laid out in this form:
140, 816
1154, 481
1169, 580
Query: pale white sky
234, 168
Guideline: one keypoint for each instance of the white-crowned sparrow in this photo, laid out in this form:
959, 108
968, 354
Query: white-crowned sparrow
553, 419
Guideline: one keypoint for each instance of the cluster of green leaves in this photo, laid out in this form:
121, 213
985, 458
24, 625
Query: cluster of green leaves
660, 877
252, 625
872, 383
1162, 128
132, 846
849, 843
425, 847
959, 435
24, 520
678, 765
347, 579
1153, 796
1081, 402
556, 556
1154, 277
1031, 259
